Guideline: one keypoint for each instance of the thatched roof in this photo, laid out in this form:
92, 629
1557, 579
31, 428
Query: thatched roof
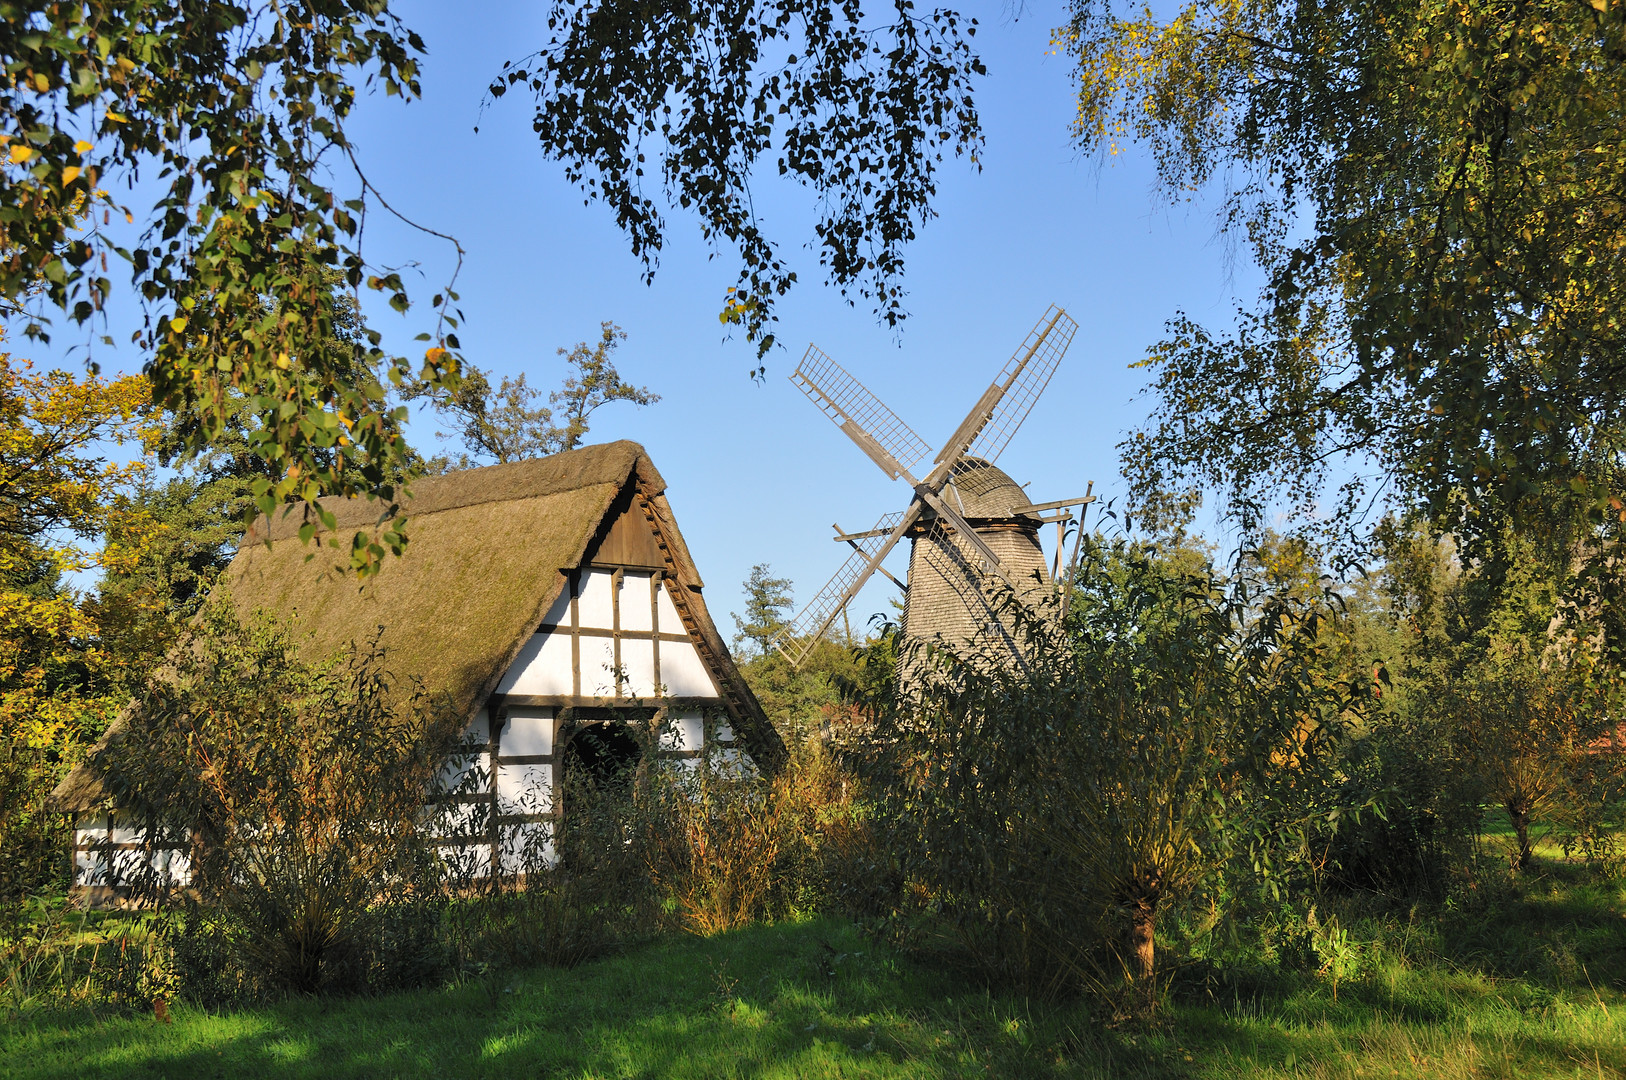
484, 561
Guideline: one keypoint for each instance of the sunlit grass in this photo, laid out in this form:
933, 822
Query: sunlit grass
1529, 986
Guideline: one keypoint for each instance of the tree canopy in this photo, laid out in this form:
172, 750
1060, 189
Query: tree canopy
699, 95
1435, 191
239, 110
507, 423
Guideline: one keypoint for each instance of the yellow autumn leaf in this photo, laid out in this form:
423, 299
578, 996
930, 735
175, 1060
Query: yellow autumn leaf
41, 83
21, 153
178, 323
70, 173
81, 147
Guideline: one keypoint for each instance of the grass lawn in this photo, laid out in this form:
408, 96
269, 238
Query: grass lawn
1532, 987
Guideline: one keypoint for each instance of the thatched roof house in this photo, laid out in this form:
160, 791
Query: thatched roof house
538, 596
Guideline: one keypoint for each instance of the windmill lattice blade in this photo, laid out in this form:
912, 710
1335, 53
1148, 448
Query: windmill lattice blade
1025, 376
850, 404
799, 636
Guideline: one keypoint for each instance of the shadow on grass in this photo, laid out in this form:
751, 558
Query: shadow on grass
818, 999
813, 999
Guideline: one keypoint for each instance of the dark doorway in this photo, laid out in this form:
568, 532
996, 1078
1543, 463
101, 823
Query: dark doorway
604, 753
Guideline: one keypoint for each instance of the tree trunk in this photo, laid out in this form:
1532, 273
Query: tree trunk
1142, 921
1518, 812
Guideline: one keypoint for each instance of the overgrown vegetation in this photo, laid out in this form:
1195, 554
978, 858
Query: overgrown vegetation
1211, 819
1203, 779
292, 795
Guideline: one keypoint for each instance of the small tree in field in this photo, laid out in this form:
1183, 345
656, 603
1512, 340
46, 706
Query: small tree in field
509, 423
1519, 683
1522, 733
767, 609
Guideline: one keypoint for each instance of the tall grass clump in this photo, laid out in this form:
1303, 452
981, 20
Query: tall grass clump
729, 847
571, 889
55, 955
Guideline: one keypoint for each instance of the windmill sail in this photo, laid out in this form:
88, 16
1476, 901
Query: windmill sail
955, 557
799, 636
888, 441
1024, 378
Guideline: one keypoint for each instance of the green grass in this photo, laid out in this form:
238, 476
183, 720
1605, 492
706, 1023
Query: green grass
1528, 986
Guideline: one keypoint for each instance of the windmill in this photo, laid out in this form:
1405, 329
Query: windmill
967, 520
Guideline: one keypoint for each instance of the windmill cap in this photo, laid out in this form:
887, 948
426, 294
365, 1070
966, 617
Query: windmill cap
986, 492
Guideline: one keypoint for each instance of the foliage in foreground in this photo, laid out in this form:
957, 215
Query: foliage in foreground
1430, 189
289, 811
61, 680
1170, 741
291, 797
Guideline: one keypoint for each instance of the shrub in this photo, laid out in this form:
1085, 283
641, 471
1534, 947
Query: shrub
570, 895
1421, 821
299, 789
729, 848
713, 842
1052, 810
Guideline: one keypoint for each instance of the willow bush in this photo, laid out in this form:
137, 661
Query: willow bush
298, 791
1176, 730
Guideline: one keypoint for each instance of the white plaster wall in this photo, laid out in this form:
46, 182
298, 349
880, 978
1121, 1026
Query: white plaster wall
638, 664
90, 867
542, 667
106, 866
466, 773
528, 846
529, 731
683, 673
459, 818
682, 731
173, 865
635, 602
524, 789
670, 622
598, 667
559, 613
593, 603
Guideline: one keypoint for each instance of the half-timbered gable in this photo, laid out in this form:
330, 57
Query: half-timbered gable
540, 598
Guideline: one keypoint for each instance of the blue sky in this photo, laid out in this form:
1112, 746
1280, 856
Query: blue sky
754, 472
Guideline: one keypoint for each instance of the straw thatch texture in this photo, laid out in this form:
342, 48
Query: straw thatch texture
486, 557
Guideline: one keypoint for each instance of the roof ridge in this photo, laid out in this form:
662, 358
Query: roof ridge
570, 470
